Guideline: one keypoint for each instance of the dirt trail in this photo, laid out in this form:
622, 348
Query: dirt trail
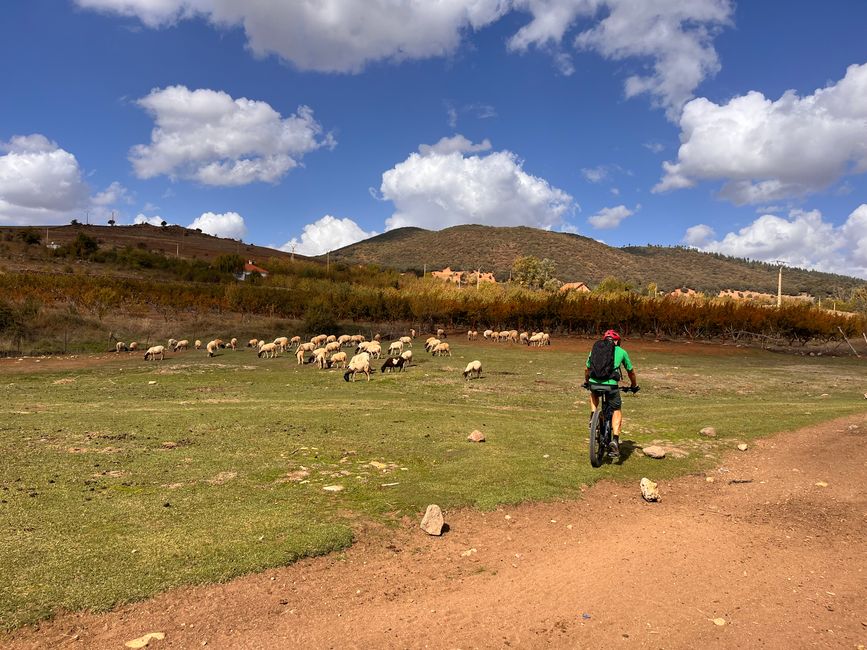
779, 558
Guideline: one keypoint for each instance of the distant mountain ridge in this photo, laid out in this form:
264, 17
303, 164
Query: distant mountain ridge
577, 258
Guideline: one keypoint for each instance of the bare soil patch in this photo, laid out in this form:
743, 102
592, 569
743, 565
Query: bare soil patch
768, 554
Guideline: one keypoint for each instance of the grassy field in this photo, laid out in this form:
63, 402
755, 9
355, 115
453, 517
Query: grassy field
121, 478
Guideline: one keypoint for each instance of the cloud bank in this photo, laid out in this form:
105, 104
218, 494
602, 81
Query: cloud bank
768, 150
227, 224
441, 186
803, 239
676, 36
207, 136
327, 234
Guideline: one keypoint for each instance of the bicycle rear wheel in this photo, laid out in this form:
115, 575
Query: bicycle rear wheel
597, 438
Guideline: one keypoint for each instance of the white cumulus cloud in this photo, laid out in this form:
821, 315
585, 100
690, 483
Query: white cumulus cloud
610, 217
227, 224
154, 220
804, 239
768, 150
207, 136
345, 36
441, 187
326, 234
112, 195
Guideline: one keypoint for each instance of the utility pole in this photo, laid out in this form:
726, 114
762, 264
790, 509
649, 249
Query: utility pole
293, 252
328, 261
424, 271
177, 250
478, 277
780, 288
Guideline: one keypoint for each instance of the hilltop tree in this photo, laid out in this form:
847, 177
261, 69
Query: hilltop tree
533, 273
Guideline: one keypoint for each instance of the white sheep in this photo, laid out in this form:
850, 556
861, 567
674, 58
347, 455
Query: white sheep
338, 359
234, 343
172, 343
213, 346
535, 339
344, 339
307, 347
412, 333
406, 340
525, 338
441, 333
198, 344
268, 350
358, 363
120, 346
333, 346
154, 352
133, 346
395, 348
546, 338
407, 356
299, 355
331, 338
320, 357
295, 340
441, 350
183, 344
473, 368
374, 349
487, 334
431, 343
253, 343
282, 342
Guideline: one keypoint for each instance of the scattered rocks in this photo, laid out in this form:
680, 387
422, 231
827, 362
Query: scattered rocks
377, 465
468, 552
649, 490
298, 474
821, 484
143, 641
709, 479
169, 444
708, 432
719, 621
333, 488
432, 523
654, 451
742, 446
476, 436
151, 383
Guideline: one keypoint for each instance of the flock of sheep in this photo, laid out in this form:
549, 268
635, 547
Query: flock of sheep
326, 351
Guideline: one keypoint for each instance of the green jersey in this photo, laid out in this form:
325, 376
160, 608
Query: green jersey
621, 358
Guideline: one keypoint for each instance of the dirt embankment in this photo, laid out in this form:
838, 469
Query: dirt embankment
768, 554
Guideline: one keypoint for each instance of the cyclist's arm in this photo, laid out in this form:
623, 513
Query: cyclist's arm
633, 380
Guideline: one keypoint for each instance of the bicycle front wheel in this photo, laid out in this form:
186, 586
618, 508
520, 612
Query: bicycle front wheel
597, 438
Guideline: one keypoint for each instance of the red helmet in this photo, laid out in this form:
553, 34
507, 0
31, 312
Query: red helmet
611, 334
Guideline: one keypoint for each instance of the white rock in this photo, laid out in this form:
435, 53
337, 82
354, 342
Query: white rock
710, 432
432, 523
333, 488
476, 436
649, 490
742, 446
654, 451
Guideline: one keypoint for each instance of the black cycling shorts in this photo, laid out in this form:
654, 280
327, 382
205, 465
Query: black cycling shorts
614, 398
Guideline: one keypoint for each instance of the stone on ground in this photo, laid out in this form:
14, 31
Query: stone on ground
709, 432
432, 523
654, 451
476, 436
143, 641
649, 490
742, 446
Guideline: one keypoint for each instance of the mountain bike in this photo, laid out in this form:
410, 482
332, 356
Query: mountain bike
600, 423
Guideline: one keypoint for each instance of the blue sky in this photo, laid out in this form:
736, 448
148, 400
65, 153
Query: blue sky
731, 127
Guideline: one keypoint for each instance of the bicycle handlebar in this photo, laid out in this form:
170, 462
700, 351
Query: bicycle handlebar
625, 389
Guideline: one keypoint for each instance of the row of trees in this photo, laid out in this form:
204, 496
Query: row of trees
322, 301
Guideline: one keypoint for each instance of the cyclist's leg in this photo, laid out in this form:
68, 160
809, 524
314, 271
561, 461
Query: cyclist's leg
594, 402
616, 422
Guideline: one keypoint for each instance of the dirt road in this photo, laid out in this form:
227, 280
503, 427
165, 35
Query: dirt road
773, 550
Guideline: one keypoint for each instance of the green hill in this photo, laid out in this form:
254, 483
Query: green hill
577, 258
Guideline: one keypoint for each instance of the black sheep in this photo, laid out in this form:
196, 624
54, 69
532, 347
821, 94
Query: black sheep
392, 363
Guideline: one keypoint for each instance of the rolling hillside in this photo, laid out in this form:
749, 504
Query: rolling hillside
577, 258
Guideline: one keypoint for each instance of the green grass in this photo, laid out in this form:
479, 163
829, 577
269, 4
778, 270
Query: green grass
96, 511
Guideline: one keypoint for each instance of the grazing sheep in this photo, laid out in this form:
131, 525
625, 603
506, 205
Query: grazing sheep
469, 335
316, 340
407, 357
253, 343
213, 346
513, 336
430, 342
183, 344
337, 359
234, 343
525, 338
282, 342
358, 363
441, 333
441, 350
295, 340
268, 350
412, 333
320, 358
333, 346
120, 346
198, 344
154, 352
406, 340
535, 340
172, 344
374, 349
395, 348
473, 368
307, 347
331, 338
393, 362
299, 355
377, 337
133, 346
546, 338
487, 333
344, 339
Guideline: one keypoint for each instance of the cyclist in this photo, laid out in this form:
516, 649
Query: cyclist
621, 358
